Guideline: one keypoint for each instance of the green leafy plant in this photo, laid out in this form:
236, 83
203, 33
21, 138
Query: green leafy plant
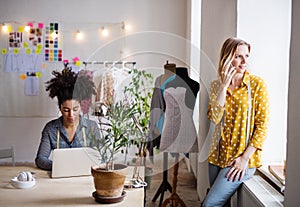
116, 130
126, 122
139, 92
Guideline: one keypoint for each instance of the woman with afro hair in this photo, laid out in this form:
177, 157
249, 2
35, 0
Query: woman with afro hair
71, 129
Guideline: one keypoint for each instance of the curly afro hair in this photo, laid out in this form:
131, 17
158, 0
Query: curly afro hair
69, 85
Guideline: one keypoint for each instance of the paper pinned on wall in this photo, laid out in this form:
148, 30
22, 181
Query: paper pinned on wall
31, 87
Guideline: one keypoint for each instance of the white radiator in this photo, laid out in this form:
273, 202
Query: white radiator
257, 192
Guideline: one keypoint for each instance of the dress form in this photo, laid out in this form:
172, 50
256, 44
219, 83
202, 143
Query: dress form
156, 124
190, 88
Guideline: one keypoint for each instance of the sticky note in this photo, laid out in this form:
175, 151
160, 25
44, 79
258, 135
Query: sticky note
38, 74
30, 24
26, 44
75, 59
40, 25
37, 51
44, 65
4, 51
16, 51
78, 63
23, 76
9, 28
39, 46
28, 51
21, 29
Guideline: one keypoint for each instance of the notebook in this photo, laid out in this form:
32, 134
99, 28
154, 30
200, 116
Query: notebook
69, 162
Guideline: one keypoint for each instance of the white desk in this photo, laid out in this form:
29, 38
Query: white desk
75, 191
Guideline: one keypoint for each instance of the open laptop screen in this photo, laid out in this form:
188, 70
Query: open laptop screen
68, 162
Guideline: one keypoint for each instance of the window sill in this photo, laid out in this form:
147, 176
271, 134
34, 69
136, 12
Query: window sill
271, 179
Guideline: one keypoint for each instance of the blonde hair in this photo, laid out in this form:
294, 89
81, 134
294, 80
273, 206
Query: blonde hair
228, 51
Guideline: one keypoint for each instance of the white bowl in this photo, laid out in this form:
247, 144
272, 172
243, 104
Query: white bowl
22, 184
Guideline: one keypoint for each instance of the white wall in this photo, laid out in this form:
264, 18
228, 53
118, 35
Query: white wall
293, 182
268, 31
218, 21
158, 34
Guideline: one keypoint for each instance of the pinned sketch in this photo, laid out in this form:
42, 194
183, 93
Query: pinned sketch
31, 85
35, 36
15, 39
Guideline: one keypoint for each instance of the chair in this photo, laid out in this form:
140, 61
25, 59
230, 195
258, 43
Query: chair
8, 153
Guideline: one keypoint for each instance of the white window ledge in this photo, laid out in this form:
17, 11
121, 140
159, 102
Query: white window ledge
258, 192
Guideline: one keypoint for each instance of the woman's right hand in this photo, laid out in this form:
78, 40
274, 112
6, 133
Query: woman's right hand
227, 73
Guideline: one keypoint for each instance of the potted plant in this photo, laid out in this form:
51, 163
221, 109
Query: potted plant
125, 124
116, 128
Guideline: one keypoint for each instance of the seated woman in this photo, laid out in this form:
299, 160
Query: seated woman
71, 129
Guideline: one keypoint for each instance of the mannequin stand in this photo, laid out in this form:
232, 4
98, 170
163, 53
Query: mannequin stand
165, 185
174, 199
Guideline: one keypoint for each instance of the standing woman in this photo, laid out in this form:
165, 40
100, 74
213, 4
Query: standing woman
71, 129
239, 107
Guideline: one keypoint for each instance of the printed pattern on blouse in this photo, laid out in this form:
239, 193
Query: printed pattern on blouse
229, 137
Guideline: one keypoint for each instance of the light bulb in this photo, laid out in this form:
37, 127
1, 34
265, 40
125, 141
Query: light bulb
104, 32
79, 35
127, 27
4, 28
27, 28
54, 35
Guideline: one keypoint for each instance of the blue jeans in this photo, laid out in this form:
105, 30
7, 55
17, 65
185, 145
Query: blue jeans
221, 189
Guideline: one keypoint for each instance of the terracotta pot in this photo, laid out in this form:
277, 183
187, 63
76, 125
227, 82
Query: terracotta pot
109, 183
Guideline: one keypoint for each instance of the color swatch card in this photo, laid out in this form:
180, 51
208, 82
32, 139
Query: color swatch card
53, 51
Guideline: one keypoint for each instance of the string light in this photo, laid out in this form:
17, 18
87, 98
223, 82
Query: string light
4, 28
27, 28
126, 27
104, 31
79, 35
54, 35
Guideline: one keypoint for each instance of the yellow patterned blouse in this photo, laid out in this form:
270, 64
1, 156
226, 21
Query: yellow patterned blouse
229, 137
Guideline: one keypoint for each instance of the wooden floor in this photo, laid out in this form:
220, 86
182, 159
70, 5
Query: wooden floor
186, 187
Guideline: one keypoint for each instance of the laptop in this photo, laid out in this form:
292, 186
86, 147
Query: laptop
69, 162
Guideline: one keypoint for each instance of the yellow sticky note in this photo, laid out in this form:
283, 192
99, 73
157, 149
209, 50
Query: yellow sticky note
28, 51
16, 51
39, 46
37, 51
38, 74
21, 29
9, 28
78, 63
4, 51
26, 44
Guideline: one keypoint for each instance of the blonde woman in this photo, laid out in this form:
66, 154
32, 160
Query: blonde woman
239, 107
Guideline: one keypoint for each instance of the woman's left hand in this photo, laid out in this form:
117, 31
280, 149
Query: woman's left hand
238, 168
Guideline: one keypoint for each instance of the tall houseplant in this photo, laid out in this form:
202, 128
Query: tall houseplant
124, 124
116, 129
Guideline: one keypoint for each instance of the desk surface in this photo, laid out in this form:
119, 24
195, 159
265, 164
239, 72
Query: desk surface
75, 191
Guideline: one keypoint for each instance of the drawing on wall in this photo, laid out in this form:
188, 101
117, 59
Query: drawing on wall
53, 52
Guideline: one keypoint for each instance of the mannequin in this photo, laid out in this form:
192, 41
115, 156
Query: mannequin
179, 132
157, 116
158, 107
